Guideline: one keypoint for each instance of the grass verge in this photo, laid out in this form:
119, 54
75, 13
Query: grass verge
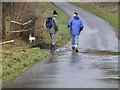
105, 10
17, 61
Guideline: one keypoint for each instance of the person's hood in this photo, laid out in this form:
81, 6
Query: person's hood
76, 17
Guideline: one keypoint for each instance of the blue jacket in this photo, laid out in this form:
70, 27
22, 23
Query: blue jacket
76, 25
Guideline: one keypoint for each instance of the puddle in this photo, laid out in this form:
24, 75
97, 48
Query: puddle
98, 52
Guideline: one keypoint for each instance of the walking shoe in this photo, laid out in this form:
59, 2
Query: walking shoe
52, 47
73, 47
76, 48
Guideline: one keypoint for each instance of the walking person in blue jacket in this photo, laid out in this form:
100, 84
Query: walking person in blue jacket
76, 26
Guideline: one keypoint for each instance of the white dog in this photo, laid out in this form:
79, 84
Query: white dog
31, 38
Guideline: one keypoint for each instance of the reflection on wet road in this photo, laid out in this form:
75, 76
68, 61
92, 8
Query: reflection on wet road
95, 66
71, 70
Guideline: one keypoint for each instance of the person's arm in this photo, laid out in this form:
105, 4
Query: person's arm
56, 24
69, 23
81, 25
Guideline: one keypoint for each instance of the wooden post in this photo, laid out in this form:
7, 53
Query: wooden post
7, 28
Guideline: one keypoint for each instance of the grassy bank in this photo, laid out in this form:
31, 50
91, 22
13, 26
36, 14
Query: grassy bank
20, 56
19, 60
107, 11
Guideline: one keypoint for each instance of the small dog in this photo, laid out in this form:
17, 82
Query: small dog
31, 38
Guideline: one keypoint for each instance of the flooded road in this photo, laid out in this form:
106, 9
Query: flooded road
95, 66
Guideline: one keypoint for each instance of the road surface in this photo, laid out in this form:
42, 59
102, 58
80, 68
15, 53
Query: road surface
95, 66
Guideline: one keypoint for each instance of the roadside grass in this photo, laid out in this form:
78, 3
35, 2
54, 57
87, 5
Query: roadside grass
17, 61
106, 10
19, 56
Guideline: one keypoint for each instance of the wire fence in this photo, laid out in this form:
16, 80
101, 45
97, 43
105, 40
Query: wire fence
8, 30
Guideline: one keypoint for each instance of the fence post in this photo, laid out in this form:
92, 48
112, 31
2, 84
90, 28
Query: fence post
7, 28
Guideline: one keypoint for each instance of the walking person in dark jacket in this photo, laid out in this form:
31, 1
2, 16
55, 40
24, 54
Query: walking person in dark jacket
76, 26
52, 27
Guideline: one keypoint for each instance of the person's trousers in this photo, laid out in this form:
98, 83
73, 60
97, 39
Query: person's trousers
75, 39
53, 38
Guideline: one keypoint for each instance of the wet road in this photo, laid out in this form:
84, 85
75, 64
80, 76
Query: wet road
95, 66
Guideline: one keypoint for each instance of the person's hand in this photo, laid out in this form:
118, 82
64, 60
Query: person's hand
81, 28
68, 26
